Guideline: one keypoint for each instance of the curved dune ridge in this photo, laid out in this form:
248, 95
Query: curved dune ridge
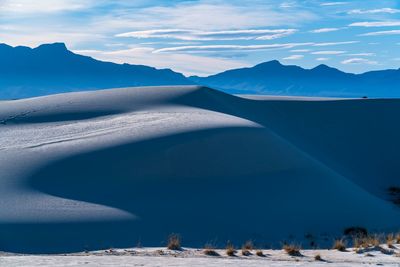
116, 167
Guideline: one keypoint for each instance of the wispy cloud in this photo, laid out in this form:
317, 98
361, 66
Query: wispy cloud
334, 3
336, 43
392, 32
294, 57
220, 48
42, 6
362, 55
322, 30
332, 52
230, 48
375, 11
300, 50
207, 16
359, 61
197, 35
322, 59
375, 24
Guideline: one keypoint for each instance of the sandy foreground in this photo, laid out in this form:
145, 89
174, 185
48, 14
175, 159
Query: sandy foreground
382, 256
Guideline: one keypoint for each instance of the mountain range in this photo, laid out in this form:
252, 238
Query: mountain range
52, 68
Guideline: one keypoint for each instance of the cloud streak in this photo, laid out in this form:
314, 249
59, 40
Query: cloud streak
356, 61
375, 24
221, 48
294, 57
379, 33
9, 7
332, 52
334, 3
197, 35
375, 11
322, 30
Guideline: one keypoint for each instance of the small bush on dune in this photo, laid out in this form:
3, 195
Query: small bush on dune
260, 253
174, 242
394, 192
246, 252
339, 245
374, 241
367, 242
390, 240
292, 250
230, 250
248, 245
209, 250
318, 257
356, 231
397, 237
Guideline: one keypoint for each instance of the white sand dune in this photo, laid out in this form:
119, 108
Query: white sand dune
110, 168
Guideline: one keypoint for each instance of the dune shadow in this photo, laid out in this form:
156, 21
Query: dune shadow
356, 138
202, 184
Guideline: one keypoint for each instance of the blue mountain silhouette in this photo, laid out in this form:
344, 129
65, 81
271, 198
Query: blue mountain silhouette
276, 79
52, 68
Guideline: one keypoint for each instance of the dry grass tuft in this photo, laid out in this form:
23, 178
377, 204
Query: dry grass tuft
397, 237
246, 252
248, 245
373, 242
390, 240
230, 250
174, 242
260, 253
292, 250
210, 252
340, 245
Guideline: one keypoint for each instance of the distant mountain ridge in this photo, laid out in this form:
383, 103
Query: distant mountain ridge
52, 68
276, 79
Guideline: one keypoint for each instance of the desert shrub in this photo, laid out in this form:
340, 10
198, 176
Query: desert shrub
230, 250
390, 239
210, 252
292, 250
340, 245
260, 253
318, 257
374, 240
355, 231
397, 237
174, 242
246, 252
366, 242
394, 192
248, 245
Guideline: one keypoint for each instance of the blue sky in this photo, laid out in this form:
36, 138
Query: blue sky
209, 36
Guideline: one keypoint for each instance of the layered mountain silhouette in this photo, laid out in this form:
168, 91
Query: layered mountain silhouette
273, 78
52, 68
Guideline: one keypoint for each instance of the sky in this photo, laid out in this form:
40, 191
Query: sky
209, 36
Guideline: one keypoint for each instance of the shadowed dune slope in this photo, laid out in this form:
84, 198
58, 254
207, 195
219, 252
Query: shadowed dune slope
110, 168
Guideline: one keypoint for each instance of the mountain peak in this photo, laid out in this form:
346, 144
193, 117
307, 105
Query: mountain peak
325, 68
272, 63
54, 47
322, 66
